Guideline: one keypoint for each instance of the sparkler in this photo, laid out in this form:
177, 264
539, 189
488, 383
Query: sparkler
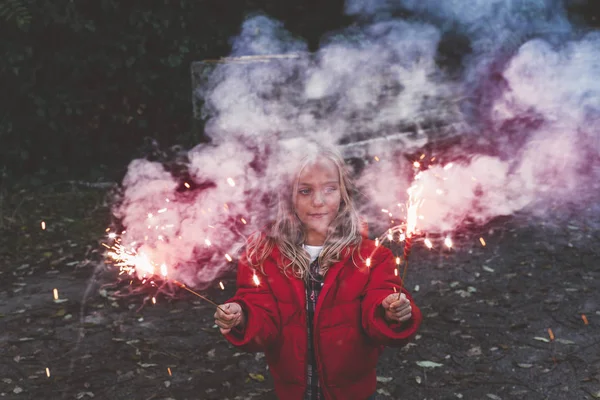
131, 262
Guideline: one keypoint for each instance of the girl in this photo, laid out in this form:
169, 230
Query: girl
324, 304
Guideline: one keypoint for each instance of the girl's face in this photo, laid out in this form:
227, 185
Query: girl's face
317, 199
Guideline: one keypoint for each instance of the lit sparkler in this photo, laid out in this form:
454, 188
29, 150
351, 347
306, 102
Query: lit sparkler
134, 263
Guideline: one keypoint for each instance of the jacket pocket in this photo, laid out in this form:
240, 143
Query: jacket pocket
346, 355
287, 359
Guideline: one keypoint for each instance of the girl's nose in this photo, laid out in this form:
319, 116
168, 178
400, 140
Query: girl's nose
318, 199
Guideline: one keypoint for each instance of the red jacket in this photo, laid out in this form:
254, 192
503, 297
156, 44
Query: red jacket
350, 330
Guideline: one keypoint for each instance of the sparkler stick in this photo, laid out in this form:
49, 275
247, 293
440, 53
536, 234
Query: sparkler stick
411, 225
183, 286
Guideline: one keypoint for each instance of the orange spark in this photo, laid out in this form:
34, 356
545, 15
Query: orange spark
416, 164
187, 185
551, 334
43, 225
428, 243
162, 210
376, 158
228, 257
397, 260
368, 261
55, 292
169, 371
154, 300
482, 241
448, 242
584, 318
376, 242
231, 182
107, 230
48, 372
243, 221
207, 242
105, 245
448, 166
222, 286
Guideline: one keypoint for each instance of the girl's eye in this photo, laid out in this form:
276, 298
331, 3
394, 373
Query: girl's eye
304, 192
330, 189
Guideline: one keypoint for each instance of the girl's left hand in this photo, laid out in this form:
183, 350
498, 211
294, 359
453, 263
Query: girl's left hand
397, 308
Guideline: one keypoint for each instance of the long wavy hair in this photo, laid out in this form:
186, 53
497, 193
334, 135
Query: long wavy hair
287, 231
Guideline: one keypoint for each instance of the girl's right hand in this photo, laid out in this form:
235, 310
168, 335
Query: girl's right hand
232, 317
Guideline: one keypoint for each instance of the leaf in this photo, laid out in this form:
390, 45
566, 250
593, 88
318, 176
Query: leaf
565, 341
383, 379
488, 269
257, 377
60, 313
429, 364
147, 365
541, 339
523, 365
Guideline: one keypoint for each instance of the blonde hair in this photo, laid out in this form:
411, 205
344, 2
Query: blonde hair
287, 232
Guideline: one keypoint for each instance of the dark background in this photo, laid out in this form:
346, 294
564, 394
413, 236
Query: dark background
89, 85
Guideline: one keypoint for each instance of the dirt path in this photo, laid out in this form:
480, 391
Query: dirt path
488, 311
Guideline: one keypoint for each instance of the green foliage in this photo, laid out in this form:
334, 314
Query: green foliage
88, 82
15, 11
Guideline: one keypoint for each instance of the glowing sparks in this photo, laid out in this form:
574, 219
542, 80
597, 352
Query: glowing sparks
243, 221
162, 210
428, 243
48, 372
169, 371
376, 242
482, 241
376, 158
228, 257
417, 164
585, 320
231, 182
112, 235
448, 242
448, 166
221, 285
422, 156
154, 300
368, 262
255, 279
163, 270
207, 242
55, 293
187, 185
397, 260
43, 224
550, 334
150, 215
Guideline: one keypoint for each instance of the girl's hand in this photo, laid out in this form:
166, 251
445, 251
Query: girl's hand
227, 321
397, 308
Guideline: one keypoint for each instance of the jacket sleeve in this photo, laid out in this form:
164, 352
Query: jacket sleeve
259, 305
382, 282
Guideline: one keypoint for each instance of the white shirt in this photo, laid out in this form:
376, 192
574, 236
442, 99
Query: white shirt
314, 251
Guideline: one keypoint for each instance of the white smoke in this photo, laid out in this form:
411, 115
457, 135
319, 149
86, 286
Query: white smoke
266, 104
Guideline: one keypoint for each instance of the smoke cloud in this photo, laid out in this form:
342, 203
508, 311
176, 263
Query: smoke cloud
528, 96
